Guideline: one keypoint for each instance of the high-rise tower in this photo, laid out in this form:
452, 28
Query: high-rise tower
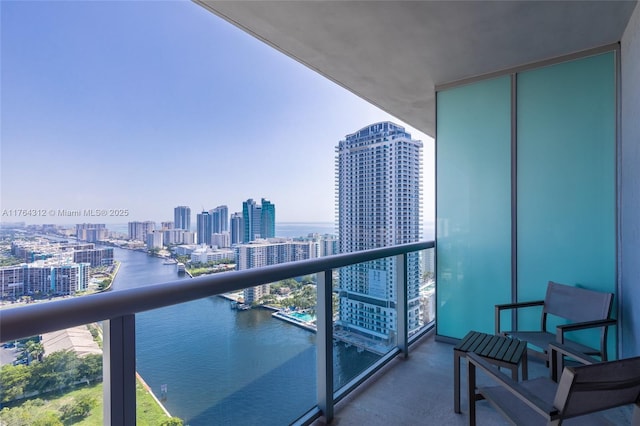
205, 227
237, 228
220, 219
251, 220
182, 218
378, 185
268, 219
259, 220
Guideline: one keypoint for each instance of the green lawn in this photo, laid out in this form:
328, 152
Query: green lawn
149, 412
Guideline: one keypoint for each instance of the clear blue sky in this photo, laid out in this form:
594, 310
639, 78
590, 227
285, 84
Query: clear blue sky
148, 105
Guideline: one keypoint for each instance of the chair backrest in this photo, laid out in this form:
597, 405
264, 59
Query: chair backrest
590, 388
576, 304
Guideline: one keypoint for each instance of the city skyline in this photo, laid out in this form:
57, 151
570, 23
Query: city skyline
141, 107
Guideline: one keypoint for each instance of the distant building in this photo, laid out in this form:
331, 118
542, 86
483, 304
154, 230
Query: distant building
177, 236
268, 219
261, 253
251, 215
91, 232
182, 218
94, 257
184, 249
30, 251
155, 240
12, 281
138, 230
204, 227
204, 254
166, 225
47, 278
220, 240
378, 171
259, 220
237, 228
42, 249
329, 245
220, 219
188, 237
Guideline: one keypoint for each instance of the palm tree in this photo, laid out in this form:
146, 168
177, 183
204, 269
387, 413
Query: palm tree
34, 350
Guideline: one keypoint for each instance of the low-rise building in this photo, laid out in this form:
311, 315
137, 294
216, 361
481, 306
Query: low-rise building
204, 254
271, 252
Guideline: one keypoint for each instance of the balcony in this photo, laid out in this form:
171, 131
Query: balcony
123, 311
494, 246
411, 384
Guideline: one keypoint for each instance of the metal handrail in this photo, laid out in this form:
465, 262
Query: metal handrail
31, 320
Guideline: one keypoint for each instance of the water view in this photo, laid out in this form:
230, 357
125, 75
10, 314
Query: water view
213, 365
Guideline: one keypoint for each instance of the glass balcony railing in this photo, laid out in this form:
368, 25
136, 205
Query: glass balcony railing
205, 358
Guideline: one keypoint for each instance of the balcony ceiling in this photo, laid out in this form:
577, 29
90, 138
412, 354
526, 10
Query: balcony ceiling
393, 53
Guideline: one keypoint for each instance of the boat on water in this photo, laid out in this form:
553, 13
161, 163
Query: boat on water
170, 262
181, 268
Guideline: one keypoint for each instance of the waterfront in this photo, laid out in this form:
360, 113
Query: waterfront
299, 229
221, 366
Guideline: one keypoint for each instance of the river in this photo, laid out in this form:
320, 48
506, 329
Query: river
221, 366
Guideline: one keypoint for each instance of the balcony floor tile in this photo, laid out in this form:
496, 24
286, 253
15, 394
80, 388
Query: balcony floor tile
418, 390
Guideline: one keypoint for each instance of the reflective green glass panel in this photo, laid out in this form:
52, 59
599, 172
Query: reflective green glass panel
473, 160
566, 178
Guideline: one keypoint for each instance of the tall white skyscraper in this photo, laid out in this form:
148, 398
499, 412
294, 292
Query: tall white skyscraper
378, 185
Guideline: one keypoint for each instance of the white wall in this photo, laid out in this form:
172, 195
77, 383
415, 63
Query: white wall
630, 188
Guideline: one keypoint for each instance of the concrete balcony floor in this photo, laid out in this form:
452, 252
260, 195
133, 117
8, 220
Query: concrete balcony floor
418, 390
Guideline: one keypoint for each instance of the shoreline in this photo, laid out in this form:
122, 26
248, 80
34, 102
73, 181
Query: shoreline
113, 275
148, 389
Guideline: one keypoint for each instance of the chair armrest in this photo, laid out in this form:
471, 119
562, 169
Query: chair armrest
558, 351
543, 408
561, 329
517, 305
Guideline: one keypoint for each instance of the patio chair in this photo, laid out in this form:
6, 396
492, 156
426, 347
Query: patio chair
579, 307
580, 395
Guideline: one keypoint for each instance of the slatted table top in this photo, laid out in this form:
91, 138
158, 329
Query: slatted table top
499, 348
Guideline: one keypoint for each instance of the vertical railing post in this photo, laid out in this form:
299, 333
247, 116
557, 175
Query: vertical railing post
401, 305
119, 371
324, 342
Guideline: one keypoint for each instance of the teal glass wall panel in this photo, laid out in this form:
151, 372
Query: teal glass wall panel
566, 171
473, 200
